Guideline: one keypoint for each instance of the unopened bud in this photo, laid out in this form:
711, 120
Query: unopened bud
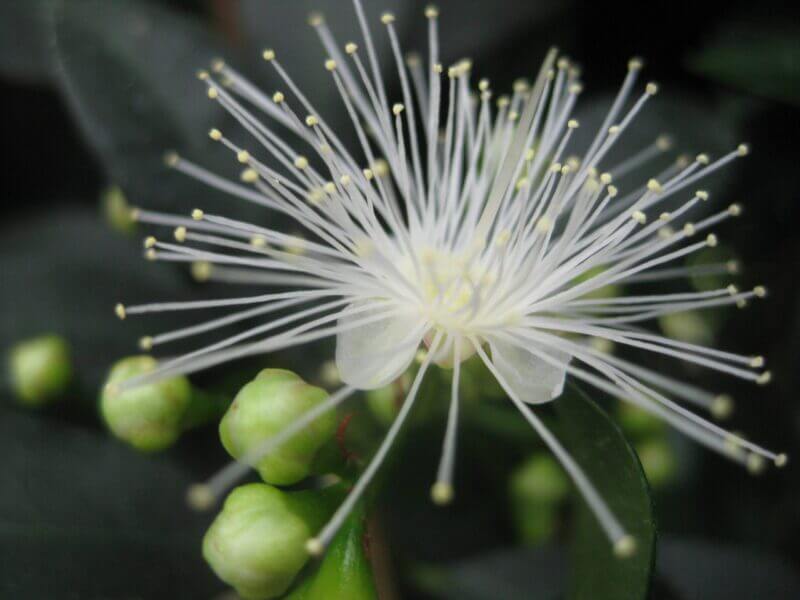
40, 370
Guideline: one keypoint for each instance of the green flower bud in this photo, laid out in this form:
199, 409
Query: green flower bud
257, 543
658, 461
264, 407
536, 489
149, 417
40, 370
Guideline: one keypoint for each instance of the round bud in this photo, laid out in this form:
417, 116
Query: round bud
257, 544
40, 370
263, 408
658, 461
149, 417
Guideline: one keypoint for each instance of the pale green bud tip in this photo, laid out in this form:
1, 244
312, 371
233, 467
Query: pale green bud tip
262, 409
148, 417
258, 542
442, 493
625, 547
40, 369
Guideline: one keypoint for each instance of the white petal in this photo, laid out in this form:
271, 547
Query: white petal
534, 380
373, 355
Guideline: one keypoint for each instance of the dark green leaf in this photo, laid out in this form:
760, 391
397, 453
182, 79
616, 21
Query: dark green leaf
82, 517
63, 273
128, 70
598, 445
765, 62
24, 51
512, 574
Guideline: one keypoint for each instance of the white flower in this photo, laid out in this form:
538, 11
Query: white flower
470, 231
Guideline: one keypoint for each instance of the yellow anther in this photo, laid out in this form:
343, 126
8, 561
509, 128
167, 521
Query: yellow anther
757, 362
431, 11
755, 463
764, 378
243, 156
735, 210
249, 176
722, 406
268, 55
315, 19
521, 86
654, 186
146, 343
397, 109
781, 460
201, 271
278, 97
625, 547
212, 93
651, 89
180, 234
573, 124
149, 241
438, 68
688, 229
612, 191
311, 121
330, 188
387, 18
258, 241
665, 216
605, 178
351, 48
368, 174
151, 254
663, 142
202, 75
635, 64
314, 547
330, 64
702, 159
217, 65
199, 497
301, 162
119, 310
760, 291
563, 63
442, 493
197, 214
215, 134
171, 159
639, 217
702, 194
575, 89
711, 240
613, 130
743, 150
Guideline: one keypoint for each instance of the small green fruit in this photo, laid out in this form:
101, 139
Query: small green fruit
263, 408
257, 543
149, 417
40, 370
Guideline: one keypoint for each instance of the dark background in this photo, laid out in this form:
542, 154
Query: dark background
55, 165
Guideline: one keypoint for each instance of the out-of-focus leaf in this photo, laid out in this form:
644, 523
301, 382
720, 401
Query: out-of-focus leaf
63, 273
697, 569
689, 569
513, 574
598, 445
765, 62
83, 518
128, 70
24, 52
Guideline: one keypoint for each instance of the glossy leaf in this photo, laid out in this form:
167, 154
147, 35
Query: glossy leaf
128, 71
83, 517
599, 446
765, 62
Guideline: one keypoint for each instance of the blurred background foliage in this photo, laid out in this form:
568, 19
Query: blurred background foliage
95, 92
